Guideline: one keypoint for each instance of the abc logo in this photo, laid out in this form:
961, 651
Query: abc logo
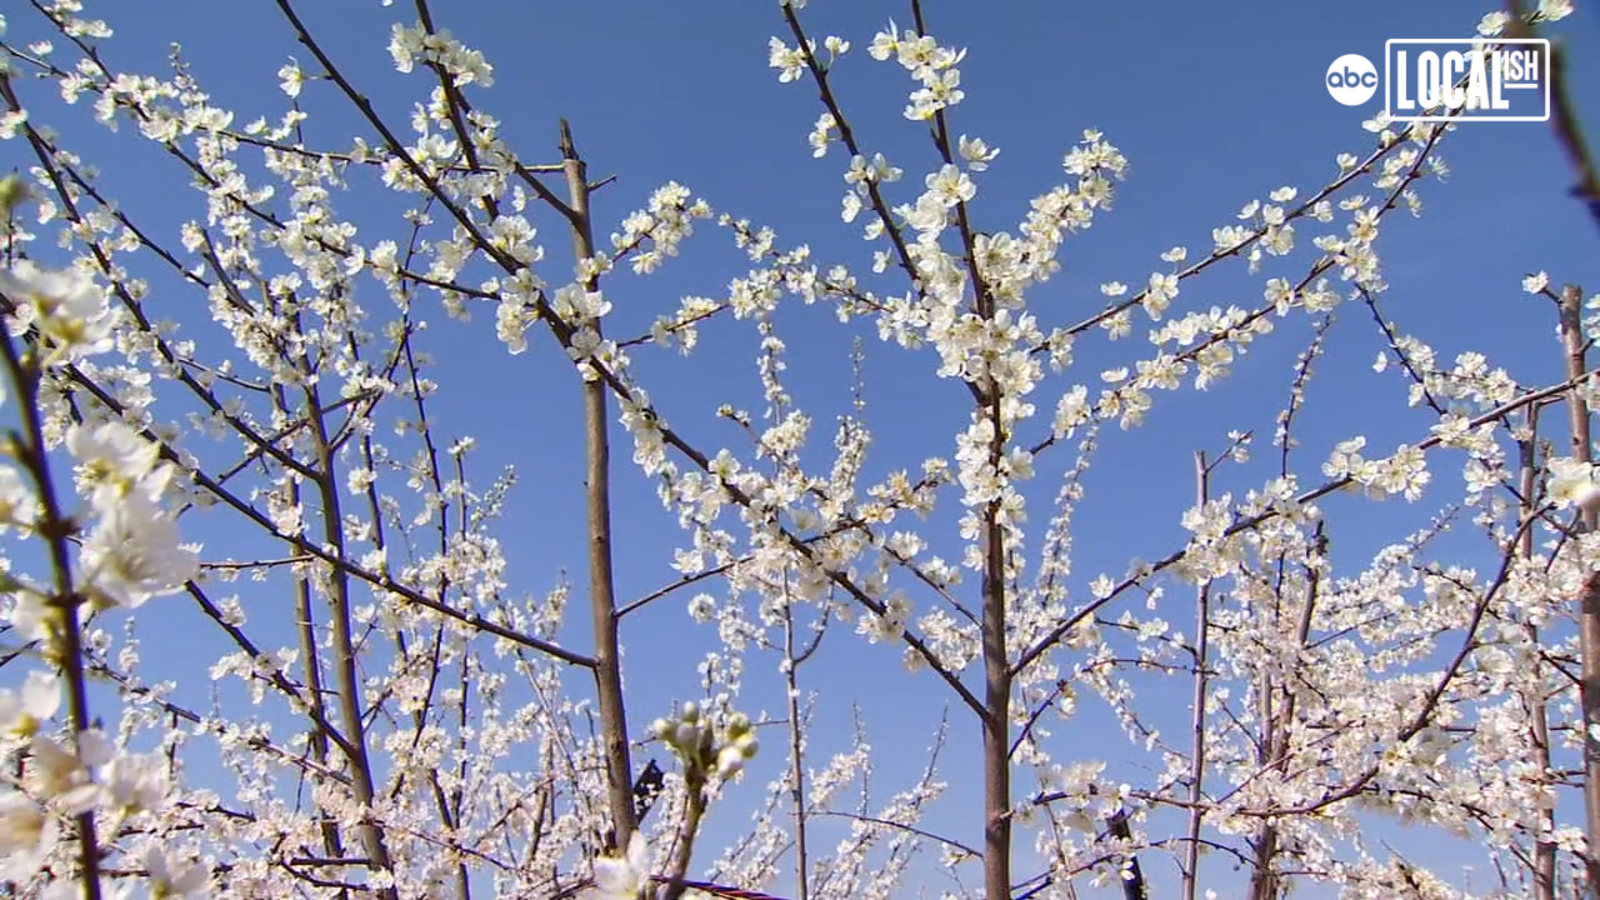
1352, 80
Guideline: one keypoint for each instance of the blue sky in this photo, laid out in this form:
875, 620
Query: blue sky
1214, 105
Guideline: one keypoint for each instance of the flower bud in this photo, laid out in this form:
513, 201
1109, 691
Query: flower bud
729, 762
1587, 498
13, 193
686, 736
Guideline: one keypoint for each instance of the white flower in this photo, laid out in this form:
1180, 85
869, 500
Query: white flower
62, 777
114, 461
512, 318
702, 608
169, 880
134, 554
22, 712
951, 186
136, 783
621, 878
977, 153
31, 617
789, 61
578, 306
17, 506
885, 44
1572, 484
65, 306
1554, 10
27, 835
292, 78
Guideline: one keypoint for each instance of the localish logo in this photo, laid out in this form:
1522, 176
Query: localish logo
1436, 80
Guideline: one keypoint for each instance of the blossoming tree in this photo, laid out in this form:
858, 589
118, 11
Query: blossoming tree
400, 721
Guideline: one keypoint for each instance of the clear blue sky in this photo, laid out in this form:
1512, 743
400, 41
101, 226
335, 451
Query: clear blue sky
1214, 105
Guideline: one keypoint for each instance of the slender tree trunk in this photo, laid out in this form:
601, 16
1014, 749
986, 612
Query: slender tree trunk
996, 663
66, 647
1278, 724
311, 662
344, 661
1197, 751
1589, 611
1544, 850
602, 588
996, 720
332, 844
1131, 874
802, 857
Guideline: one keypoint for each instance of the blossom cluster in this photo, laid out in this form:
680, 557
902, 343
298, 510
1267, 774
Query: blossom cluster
71, 782
388, 714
